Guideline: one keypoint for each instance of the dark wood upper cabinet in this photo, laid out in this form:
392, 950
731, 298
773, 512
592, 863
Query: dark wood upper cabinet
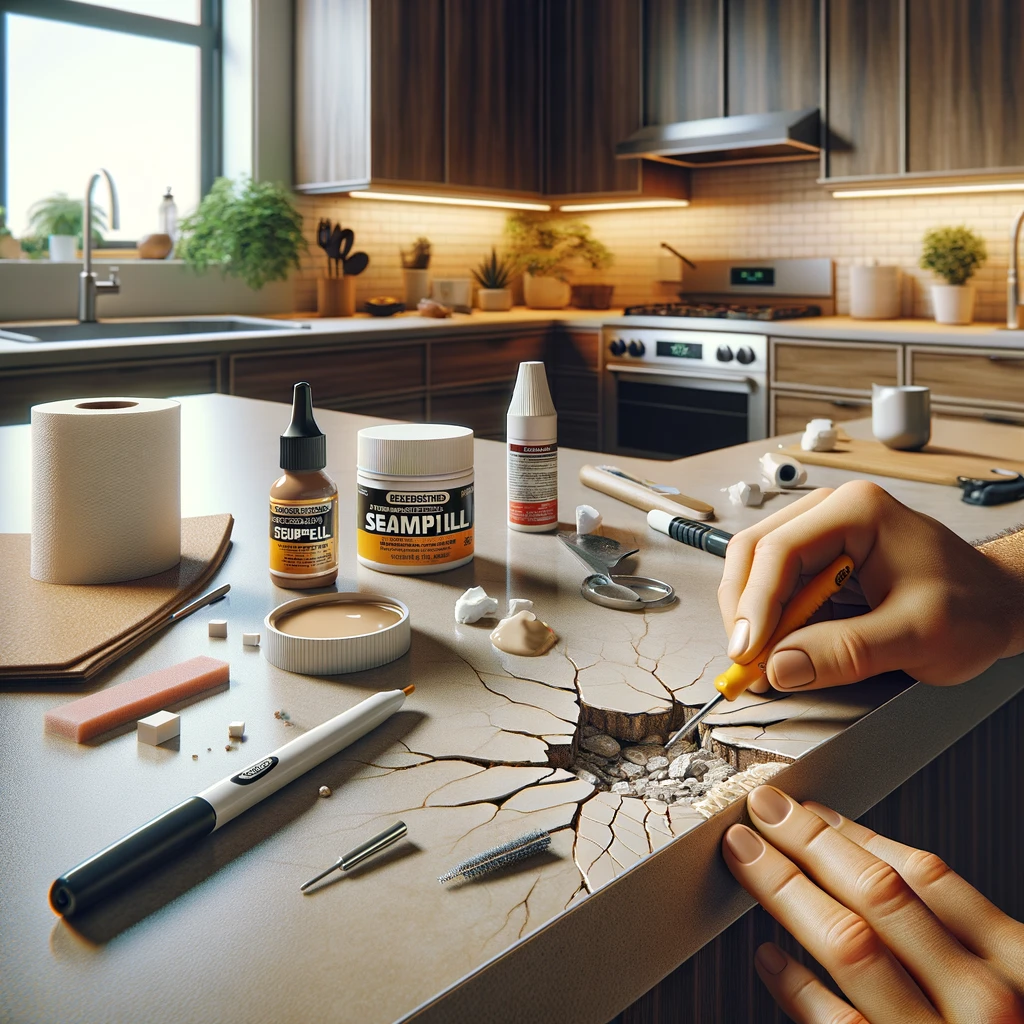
965, 80
495, 94
773, 55
594, 95
863, 106
407, 90
682, 60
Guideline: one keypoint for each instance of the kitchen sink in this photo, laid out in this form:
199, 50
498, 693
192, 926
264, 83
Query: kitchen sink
104, 331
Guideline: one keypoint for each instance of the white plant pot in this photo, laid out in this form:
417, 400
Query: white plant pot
953, 303
545, 292
494, 300
62, 248
417, 286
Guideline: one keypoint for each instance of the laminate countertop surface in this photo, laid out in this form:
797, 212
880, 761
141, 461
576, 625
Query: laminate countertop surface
309, 332
476, 757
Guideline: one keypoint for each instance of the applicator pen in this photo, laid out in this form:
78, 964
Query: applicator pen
170, 833
688, 531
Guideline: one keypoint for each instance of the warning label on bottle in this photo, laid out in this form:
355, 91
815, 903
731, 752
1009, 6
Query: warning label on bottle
304, 536
532, 484
412, 528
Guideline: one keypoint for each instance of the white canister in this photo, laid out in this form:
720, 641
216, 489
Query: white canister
874, 293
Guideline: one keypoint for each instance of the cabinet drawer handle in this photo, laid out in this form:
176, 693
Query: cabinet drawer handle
994, 358
991, 417
846, 403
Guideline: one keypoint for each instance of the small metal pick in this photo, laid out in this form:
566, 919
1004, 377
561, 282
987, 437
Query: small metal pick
349, 860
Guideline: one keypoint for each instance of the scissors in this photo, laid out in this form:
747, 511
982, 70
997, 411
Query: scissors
624, 593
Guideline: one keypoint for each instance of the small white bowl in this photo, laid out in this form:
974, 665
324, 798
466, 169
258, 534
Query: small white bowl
335, 655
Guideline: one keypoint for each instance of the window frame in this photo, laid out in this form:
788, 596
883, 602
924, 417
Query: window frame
207, 36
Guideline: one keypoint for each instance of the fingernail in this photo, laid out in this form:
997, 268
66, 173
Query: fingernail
770, 804
791, 669
740, 639
825, 813
770, 958
744, 844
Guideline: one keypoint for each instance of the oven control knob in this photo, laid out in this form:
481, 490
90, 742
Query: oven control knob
745, 355
617, 347
724, 354
636, 348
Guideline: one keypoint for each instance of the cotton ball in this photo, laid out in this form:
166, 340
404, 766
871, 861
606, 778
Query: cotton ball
819, 436
517, 605
588, 519
474, 605
743, 493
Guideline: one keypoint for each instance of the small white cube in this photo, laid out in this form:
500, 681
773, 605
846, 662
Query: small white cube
218, 627
250, 639
518, 604
158, 728
236, 730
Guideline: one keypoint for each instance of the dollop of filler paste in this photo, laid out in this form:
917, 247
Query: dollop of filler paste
523, 634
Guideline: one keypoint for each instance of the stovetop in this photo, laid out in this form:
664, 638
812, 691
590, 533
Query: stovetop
723, 311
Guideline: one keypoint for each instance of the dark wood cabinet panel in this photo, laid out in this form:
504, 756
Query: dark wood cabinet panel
594, 98
681, 60
863, 88
412, 408
151, 378
495, 94
575, 350
966, 84
334, 375
482, 409
332, 128
458, 362
407, 90
576, 393
773, 55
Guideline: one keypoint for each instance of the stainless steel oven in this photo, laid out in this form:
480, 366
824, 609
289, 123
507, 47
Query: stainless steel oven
670, 392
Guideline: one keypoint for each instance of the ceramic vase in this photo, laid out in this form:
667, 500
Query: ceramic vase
494, 300
417, 286
901, 417
953, 303
545, 292
62, 248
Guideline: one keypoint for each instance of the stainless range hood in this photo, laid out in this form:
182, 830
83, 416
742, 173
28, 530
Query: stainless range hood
724, 141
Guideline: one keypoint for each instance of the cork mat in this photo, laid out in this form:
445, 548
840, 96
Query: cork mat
69, 633
931, 465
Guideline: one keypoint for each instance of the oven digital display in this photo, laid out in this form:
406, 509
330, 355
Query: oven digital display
752, 275
680, 349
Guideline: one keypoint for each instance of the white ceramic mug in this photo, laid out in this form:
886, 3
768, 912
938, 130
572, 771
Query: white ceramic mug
901, 417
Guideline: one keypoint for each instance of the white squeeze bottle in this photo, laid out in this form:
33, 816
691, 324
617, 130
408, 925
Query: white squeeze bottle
532, 453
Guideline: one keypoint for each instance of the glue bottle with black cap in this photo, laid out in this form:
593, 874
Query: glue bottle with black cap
303, 504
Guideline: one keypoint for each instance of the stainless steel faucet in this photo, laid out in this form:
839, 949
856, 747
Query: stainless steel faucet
88, 286
1012, 286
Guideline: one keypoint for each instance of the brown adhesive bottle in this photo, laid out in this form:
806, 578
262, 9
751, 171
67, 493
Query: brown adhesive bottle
303, 504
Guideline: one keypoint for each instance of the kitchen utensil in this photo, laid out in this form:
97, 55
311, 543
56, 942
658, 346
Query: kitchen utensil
643, 497
334, 247
679, 255
901, 416
624, 593
348, 238
660, 488
356, 264
931, 465
323, 239
607, 551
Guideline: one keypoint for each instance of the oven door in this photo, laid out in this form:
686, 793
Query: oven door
664, 413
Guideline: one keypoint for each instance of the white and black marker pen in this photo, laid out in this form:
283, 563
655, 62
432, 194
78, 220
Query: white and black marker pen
169, 834
687, 531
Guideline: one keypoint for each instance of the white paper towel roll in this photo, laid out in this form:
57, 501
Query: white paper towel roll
106, 489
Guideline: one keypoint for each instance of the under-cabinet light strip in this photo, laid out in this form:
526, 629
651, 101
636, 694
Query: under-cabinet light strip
401, 197
639, 204
928, 190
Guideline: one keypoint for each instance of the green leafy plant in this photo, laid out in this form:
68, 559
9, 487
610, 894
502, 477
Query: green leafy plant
494, 272
544, 246
953, 253
250, 230
59, 214
4, 229
418, 257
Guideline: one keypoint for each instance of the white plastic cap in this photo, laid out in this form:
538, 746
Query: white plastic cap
415, 449
531, 413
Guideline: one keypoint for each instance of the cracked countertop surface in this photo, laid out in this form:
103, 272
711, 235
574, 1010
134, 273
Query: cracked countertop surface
477, 756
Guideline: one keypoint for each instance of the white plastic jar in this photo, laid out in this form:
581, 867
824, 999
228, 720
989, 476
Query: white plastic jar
414, 510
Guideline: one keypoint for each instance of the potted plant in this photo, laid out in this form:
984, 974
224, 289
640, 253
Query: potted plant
953, 254
58, 219
543, 247
251, 230
493, 276
415, 272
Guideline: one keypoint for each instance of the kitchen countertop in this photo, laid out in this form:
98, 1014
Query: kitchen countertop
474, 758
363, 328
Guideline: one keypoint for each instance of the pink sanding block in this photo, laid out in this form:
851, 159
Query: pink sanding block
89, 716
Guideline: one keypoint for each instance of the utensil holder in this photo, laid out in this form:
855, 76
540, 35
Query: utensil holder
336, 296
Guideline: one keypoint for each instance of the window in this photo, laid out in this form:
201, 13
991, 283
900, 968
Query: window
130, 85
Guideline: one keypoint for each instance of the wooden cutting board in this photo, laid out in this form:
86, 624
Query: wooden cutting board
931, 465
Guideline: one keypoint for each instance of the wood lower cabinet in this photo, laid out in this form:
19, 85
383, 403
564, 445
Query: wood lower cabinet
841, 366
481, 408
152, 378
468, 360
990, 376
574, 375
790, 412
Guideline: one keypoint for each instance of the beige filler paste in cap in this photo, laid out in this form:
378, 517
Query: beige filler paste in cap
415, 497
